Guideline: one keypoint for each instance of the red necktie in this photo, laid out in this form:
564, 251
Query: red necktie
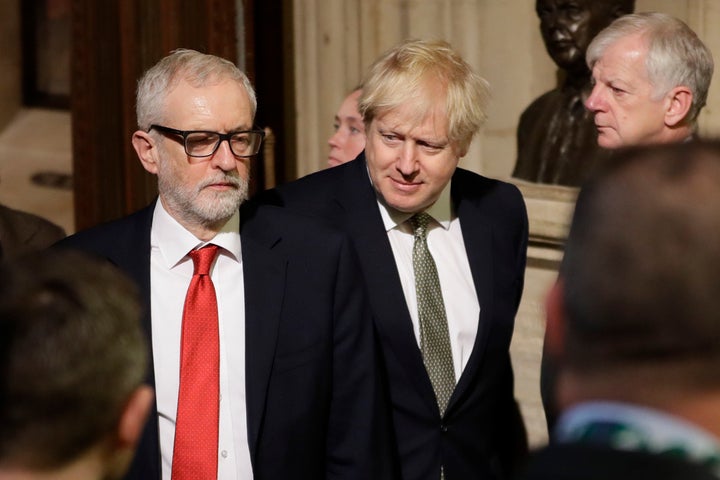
196, 427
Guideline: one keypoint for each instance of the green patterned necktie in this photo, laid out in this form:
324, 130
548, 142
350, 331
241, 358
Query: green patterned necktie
434, 336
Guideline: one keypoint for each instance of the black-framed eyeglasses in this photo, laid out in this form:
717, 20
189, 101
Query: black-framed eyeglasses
203, 144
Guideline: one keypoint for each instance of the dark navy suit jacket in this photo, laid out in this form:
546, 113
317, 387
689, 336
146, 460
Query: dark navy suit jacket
481, 434
313, 400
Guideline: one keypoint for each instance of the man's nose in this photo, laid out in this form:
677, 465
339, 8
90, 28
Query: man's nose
407, 158
223, 157
594, 102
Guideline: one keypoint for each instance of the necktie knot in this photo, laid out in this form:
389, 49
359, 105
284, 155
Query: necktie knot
203, 258
419, 223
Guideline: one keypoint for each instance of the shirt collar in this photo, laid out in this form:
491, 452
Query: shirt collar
174, 241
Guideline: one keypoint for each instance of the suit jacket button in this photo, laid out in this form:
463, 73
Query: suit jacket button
443, 427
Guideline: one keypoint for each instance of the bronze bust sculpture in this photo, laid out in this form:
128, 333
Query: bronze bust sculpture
556, 136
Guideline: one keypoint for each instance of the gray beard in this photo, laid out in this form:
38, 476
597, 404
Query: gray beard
204, 208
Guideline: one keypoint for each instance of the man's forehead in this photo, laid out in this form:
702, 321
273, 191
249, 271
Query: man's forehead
624, 68
410, 121
624, 49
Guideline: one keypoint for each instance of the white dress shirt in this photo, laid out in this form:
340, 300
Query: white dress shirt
171, 270
445, 242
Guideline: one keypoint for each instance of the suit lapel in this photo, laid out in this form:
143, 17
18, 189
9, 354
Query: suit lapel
477, 236
358, 208
264, 277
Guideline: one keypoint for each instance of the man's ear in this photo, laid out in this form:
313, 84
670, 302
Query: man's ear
555, 323
460, 150
133, 417
123, 443
146, 150
679, 102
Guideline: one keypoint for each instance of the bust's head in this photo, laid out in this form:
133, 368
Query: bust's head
568, 26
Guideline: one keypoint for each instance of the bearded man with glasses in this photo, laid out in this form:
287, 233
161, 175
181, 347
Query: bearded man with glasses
275, 322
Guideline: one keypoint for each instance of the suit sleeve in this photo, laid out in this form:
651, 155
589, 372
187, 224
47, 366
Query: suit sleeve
358, 440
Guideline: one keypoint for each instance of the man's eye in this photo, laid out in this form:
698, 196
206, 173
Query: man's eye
241, 140
200, 139
431, 147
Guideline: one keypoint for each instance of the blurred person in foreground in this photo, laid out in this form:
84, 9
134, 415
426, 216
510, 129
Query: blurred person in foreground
72, 363
262, 342
349, 138
442, 255
633, 322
